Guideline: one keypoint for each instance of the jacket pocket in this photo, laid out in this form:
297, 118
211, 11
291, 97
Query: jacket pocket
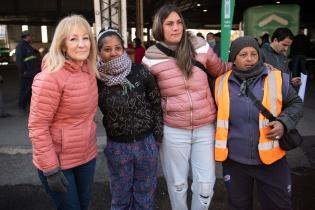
75, 140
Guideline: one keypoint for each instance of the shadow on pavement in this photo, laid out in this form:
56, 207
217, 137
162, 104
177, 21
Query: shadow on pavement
28, 197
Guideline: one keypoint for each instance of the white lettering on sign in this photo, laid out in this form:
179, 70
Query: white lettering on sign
227, 9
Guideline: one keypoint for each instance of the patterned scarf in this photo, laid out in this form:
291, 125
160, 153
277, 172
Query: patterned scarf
114, 72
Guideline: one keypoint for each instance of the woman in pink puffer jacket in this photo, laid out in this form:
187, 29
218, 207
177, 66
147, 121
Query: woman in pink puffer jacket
189, 110
61, 122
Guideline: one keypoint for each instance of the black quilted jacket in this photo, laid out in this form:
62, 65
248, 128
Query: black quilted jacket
132, 116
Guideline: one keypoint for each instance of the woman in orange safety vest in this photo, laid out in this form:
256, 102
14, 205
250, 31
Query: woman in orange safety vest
246, 142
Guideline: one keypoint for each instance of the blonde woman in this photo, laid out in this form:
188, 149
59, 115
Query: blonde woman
63, 106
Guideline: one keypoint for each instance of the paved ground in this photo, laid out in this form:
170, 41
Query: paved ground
20, 187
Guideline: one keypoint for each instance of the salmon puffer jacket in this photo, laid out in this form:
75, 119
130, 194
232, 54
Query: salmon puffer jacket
187, 102
61, 122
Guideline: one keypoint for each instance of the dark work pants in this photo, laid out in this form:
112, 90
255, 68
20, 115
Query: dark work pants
273, 184
25, 92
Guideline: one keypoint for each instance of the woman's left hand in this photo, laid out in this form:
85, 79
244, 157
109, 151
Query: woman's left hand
277, 130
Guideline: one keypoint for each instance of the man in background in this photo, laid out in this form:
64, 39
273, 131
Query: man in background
275, 53
217, 46
300, 49
28, 64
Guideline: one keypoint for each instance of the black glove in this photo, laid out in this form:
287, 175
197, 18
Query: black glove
57, 182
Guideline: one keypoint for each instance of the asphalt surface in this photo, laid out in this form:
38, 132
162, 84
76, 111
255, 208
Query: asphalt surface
30, 197
20, 187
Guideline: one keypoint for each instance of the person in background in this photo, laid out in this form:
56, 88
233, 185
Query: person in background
211, 39
139, 51
217, 46
299, 50
275, 53
246, 142
61, 122
200, 35
264, 39
188, 107
28, 65
129, 99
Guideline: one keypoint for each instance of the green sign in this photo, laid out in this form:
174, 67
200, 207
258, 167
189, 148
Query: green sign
266, 18
227, 11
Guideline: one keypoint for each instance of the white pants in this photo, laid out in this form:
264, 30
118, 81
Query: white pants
178, 147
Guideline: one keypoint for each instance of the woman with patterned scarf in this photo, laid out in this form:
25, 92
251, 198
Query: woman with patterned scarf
130, 102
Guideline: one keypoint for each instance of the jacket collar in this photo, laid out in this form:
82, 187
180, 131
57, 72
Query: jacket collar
262, 74
74, 67
270, 49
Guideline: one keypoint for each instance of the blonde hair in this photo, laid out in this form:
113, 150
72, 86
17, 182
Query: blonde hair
185, 51
55, 58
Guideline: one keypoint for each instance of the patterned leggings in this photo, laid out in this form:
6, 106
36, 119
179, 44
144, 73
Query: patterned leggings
133, 170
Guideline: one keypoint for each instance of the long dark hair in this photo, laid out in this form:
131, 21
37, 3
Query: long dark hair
185, 51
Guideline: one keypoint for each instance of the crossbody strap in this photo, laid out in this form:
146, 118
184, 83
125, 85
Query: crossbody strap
260, 106
166, 50
171, 53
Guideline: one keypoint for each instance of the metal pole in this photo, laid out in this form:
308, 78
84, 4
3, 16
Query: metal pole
139, 19
97, 14
111, 13
123, 28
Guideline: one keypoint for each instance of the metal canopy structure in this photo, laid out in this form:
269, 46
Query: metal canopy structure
49, 12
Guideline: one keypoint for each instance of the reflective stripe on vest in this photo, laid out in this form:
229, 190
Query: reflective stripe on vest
29, 58
221, 93
269, 150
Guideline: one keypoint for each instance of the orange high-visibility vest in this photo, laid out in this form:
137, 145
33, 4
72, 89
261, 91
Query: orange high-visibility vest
269, 150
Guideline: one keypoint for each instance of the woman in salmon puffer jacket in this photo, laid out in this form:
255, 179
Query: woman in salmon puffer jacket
188, 106
61, 122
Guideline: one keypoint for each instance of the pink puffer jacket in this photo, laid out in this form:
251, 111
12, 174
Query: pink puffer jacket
61, 122
187, 103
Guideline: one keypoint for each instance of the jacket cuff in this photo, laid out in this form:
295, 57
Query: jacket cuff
284, 125
51, 172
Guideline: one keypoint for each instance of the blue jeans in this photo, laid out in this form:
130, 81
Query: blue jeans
78, 193
180, 149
